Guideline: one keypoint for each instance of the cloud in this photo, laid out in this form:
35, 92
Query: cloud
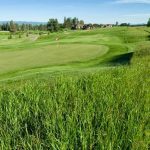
132, 1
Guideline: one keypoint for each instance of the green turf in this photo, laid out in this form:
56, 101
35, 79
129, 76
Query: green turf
48, 55
74, 48
76, 93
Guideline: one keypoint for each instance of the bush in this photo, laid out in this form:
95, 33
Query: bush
27, 34
20, 36
10, 36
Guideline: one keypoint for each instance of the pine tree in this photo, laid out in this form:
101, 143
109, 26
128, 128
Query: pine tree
13, 27
53, 25
148, 23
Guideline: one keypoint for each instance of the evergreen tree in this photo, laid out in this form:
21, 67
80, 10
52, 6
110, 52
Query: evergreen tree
148, 23
75, 22
23, 27
7, 27
117, 23
13, 27
68, 23
56, 25
65, 21
50, 25
53, 25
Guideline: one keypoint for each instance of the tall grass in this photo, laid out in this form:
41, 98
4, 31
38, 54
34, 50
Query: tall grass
107, 110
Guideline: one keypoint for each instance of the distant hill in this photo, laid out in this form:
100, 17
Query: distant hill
24, 22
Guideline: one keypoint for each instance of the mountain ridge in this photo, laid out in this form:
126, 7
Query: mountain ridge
24, 22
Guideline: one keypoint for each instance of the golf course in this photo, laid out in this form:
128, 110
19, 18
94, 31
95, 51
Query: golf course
75, 89
74, 49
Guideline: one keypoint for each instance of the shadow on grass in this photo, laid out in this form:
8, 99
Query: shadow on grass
147, 31
148, 37
123, 59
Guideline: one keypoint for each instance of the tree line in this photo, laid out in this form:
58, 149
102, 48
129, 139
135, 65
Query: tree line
14, 27
53, 25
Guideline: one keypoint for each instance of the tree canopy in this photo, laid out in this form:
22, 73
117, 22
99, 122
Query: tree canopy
53, 25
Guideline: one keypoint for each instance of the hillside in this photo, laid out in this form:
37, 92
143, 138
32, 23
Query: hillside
76, 90
78, 50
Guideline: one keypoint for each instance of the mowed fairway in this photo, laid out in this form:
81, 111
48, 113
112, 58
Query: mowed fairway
72, 48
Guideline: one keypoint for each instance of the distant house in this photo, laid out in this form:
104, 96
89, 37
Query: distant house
77, 27
107, 26
84, 27
90, 26
87, 27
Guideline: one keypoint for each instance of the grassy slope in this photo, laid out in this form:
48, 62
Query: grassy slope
104, 110
88, 108
46, 51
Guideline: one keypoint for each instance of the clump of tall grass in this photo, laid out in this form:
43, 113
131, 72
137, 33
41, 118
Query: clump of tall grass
10, 36
107, 110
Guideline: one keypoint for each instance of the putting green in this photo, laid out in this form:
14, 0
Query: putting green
51, 55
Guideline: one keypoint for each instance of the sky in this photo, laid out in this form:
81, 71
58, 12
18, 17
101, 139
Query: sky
91, 11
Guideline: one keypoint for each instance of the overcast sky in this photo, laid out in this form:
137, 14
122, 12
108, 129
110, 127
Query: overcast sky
94, 11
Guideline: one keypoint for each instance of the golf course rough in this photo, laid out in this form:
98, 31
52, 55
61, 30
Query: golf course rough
87, 90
